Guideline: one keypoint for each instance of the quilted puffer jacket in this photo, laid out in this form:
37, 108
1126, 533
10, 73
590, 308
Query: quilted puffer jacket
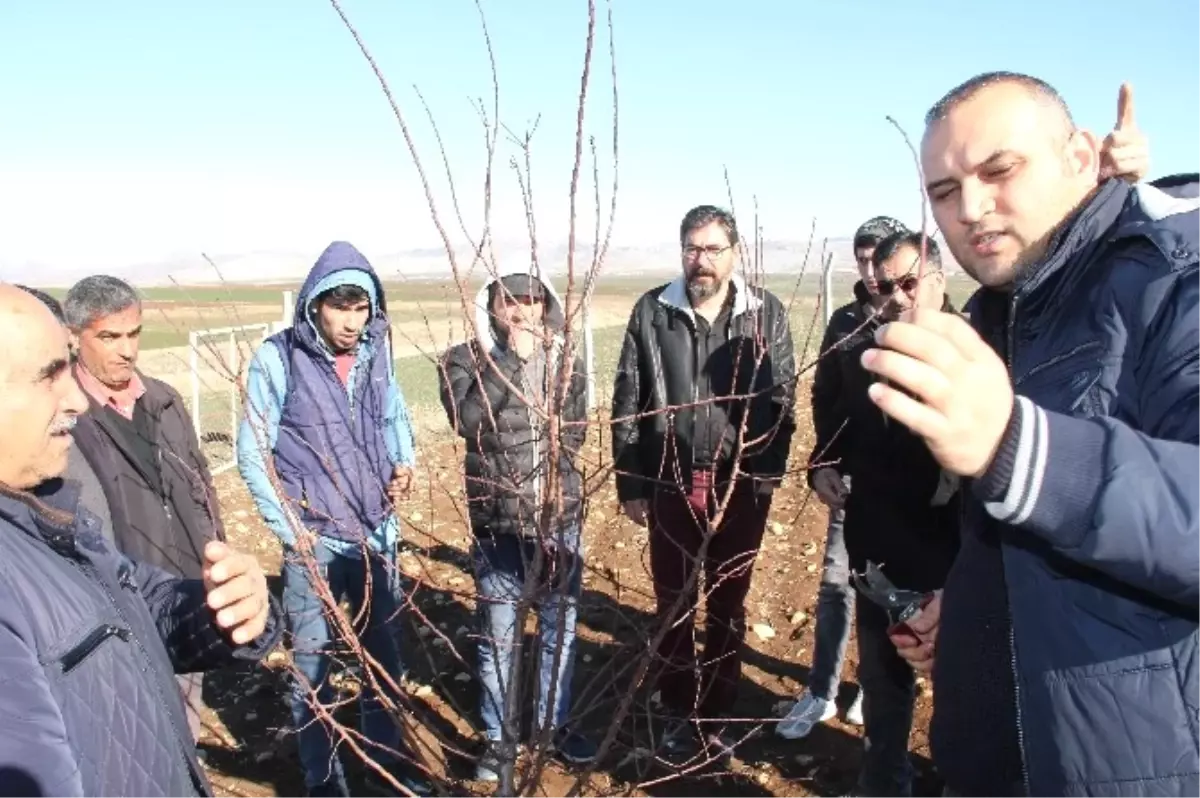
507, 456
89, 645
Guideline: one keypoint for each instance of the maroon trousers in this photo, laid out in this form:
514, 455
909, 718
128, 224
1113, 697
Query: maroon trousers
679, 523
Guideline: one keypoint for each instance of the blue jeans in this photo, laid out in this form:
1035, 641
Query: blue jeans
304, 613
835, 609
500, 565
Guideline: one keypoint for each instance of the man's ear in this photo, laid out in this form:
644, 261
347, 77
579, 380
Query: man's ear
1083, 155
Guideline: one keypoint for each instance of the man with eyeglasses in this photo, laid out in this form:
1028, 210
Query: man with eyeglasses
835, 596
702, 423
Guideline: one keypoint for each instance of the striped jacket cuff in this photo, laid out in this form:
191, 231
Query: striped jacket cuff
1012, 484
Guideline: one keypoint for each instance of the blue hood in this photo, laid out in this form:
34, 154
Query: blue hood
339, 264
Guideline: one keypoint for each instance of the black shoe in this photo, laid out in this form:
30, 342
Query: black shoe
573, 747
679, 743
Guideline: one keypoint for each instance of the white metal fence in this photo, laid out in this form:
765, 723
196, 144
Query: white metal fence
217, 373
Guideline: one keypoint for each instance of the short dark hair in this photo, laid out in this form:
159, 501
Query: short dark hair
343, 296
893, 243
703, 216
968, 89
96, 297
50, 302
875, 229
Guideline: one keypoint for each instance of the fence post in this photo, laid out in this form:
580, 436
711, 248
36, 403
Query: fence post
194, 367
234, 364
288, 307
234, 394
588, 355
827, 288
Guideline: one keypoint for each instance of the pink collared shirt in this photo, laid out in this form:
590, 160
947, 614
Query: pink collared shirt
122, 401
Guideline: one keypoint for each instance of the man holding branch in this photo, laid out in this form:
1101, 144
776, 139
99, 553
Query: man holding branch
1064, 645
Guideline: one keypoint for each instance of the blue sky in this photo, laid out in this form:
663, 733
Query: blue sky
135, 130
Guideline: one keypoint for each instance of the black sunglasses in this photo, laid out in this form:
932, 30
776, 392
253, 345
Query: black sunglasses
908, 283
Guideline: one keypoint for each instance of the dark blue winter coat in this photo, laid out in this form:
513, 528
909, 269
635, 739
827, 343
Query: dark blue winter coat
1099, 519
90, 643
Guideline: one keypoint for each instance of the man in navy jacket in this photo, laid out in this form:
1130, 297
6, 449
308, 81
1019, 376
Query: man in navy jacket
1064, 646
90, 640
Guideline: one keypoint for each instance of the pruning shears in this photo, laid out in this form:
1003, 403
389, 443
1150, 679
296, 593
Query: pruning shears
901, 606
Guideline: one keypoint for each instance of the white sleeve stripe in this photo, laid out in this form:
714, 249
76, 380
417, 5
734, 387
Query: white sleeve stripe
1005, 509
1041, 448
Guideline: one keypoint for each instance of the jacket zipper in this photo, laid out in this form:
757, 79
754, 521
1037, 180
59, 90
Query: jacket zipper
75, 657
1009, 357
166, 504
125, 580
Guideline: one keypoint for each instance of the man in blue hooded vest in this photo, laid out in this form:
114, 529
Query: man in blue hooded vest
326, 447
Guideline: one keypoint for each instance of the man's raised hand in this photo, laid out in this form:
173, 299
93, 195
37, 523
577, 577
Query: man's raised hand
964, 395
1125, 152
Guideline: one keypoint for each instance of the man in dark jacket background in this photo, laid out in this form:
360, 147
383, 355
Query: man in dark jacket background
835, 595
511, 476
326, 450
690, 346
141, 442
900, 511
88, 637
1064, 647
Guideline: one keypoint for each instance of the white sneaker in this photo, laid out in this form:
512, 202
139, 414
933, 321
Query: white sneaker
807, 712
854, 714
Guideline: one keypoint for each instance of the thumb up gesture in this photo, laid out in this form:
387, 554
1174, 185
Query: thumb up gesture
1125, 153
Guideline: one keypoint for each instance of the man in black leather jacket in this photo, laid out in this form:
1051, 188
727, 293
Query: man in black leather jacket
702, 422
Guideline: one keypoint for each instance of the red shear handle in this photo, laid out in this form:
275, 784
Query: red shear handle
902, 628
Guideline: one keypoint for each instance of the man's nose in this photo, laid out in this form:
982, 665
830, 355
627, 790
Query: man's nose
126, 349
974, 201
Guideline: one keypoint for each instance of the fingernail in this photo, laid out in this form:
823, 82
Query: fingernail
225, 618
868, 357
875, 391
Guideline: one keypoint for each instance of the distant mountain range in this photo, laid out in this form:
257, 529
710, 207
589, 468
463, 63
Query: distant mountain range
779, 257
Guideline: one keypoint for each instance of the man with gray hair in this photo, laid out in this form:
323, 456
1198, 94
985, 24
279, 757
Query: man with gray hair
139, 438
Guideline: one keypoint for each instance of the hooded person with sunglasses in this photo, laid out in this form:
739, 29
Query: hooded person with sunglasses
900, 511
